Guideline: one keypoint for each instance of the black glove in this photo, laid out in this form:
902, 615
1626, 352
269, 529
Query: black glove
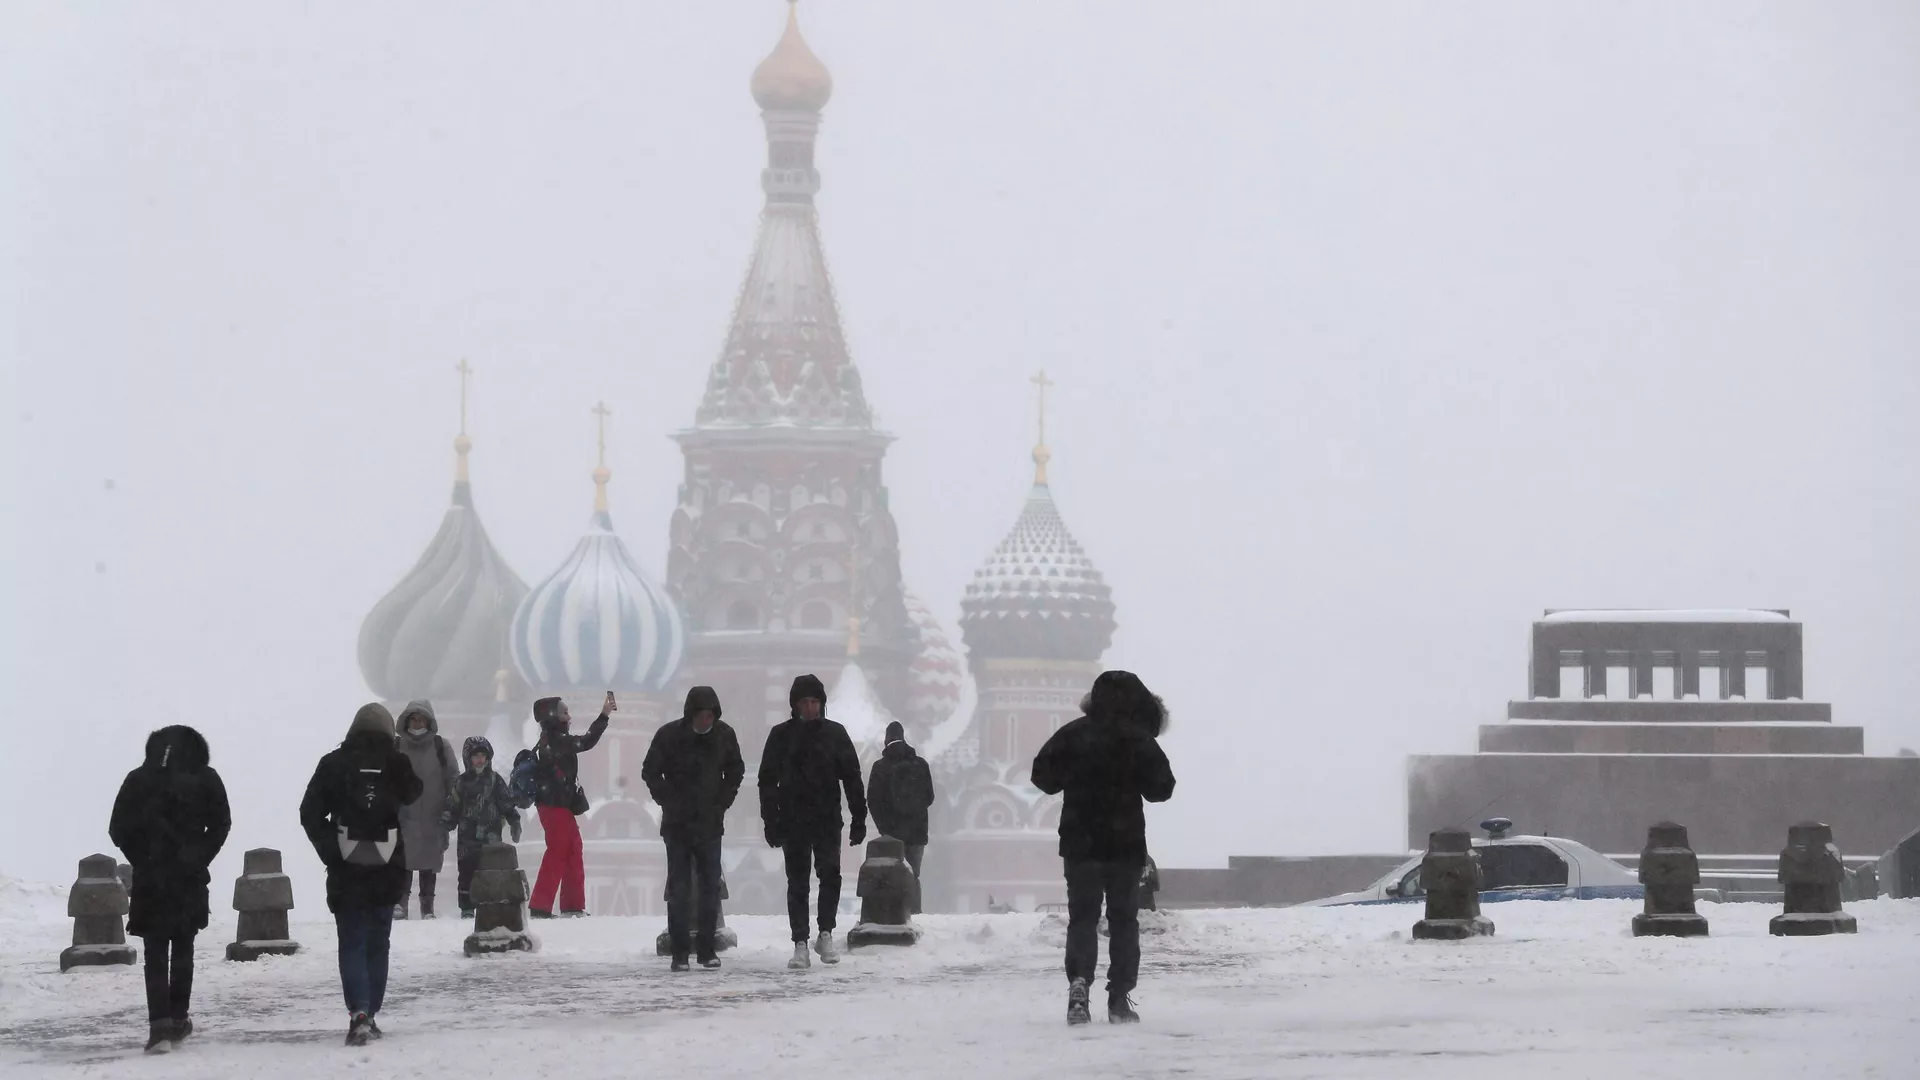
857, 835
775, 838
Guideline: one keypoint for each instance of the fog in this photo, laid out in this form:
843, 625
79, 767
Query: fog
1376, 330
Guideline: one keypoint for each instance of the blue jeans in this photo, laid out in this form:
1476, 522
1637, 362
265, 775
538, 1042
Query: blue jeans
365, 934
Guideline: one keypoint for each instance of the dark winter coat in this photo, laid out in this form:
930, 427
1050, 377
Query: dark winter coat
170, 819
694, 777
1107, 762
804, 768
368, 746
480, 803
558, 753
433, 762
899, 791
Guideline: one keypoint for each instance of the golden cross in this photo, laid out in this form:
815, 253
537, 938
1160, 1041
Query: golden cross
1041, 381
600, 410
466, 372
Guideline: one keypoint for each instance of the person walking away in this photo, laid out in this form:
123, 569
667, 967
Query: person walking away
170, 819
899, 791
693, 771
560, 801
351, 815
807, 762
1106, 762
480, 809
433, 763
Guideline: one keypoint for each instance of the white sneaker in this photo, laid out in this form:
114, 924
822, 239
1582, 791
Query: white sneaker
800, 957
824, 946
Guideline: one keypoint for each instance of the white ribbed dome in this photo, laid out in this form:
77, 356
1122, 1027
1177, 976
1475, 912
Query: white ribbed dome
598, 623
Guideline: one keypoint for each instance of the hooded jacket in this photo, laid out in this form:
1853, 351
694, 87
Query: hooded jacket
804, 768
694, 777
433, 762
170, 819
899, 790
480, 803
558, 752
369, 746
1107, 762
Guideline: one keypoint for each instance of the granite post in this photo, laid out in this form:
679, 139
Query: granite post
1450, 874
1669, 869
499, 895
263, 895
1811, 869
98, 905
886, 889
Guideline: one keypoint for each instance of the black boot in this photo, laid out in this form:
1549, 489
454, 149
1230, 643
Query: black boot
159, 1036
1120, 1008
182, 1027
1077, 1012
359, 1030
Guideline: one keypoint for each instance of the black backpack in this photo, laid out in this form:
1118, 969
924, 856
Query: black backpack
370, 822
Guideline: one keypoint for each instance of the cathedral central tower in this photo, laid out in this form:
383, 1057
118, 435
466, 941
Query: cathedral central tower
783, 532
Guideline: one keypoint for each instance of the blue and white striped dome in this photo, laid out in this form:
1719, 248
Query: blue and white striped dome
597, 623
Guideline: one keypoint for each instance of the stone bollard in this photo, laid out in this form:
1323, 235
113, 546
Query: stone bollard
1811, 870
98, 905
499, 894
886, 890
1450, 874
263, 896
1669, 869
724, 936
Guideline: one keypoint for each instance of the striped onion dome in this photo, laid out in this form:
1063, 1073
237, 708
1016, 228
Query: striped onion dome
934, 679
440, 632
1038, 596
598, 622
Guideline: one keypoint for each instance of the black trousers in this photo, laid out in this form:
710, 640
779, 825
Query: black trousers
427, 879
693, 866
1089, 882
169, 969
466, 861
820, 855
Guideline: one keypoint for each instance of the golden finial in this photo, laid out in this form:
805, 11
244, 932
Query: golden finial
600, 472
1041, 455
853, 603
462, 444
791, 78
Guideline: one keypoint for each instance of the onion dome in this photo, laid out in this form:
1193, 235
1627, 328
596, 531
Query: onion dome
1038, 596
598, 623
936, 675
440, 632
791, 78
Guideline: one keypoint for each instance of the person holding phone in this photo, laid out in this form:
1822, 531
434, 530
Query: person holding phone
560, 801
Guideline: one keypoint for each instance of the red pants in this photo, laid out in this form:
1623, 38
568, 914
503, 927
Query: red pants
561, 868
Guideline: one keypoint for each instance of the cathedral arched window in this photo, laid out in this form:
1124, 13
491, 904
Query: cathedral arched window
816, 615
742, 615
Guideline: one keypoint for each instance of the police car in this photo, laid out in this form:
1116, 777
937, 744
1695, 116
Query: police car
1512, 868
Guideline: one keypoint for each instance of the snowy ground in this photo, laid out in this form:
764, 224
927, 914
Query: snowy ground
1562, 990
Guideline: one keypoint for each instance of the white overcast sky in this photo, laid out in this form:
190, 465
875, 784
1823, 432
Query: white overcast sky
1377, 329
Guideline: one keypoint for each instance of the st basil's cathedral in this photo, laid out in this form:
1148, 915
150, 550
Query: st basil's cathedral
782, 559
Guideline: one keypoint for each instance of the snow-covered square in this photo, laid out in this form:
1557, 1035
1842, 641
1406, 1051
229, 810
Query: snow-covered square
1561, 990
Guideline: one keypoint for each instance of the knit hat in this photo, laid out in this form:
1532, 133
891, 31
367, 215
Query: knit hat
547, 711
895, 733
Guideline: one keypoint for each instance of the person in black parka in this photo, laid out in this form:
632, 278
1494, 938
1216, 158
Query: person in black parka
693, 771
807, 762
899, 791
1106, 762
351, 814
170, 819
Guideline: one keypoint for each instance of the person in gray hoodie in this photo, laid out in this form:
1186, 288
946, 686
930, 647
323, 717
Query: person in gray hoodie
434, 763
